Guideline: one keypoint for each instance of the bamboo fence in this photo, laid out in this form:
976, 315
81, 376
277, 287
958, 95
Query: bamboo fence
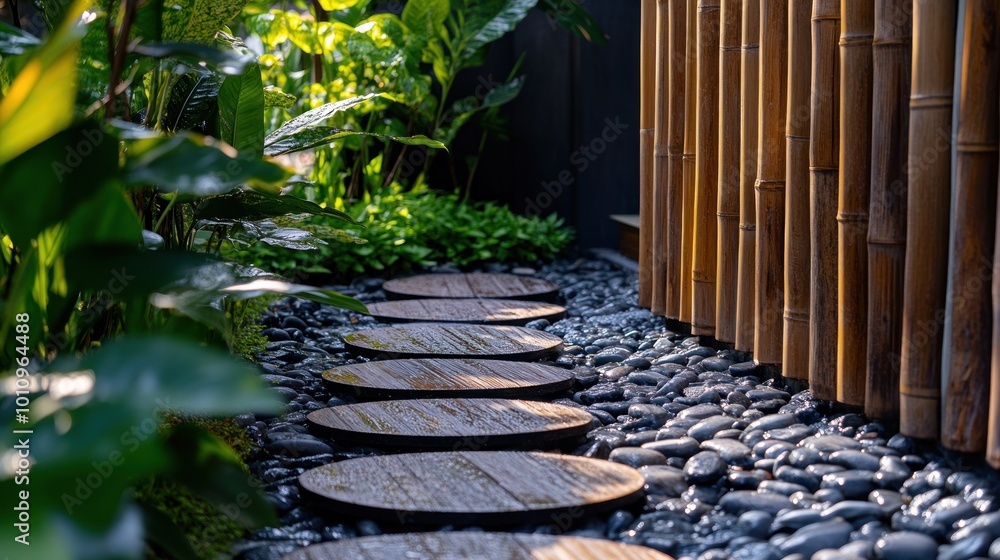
845, 247
795, 350
661, 162
750, 68
647, 77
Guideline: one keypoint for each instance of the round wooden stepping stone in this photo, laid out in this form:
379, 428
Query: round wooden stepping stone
448, 378
472, 285
480, 311
471, 487
478, 546
427, 340
455, 423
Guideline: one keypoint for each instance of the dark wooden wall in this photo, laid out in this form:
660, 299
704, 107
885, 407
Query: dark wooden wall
573, 90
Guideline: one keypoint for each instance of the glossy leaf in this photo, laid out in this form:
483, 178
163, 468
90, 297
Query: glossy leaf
241, 111
321, 135
263, 287
256, 205
315, 117
193, 99
15, 41
229, 62
195, 165
571, 15
197, 21
333, 5
488, 21
424, 17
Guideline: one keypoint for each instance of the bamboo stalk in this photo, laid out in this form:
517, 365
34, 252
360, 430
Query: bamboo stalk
750, 62
967, 356
795, 350
706, 186
688, 158
647, 75
727, 271
661, 118
993, 436
678, 73
927, 216
857, 22
824, 154
770, 184
887, 232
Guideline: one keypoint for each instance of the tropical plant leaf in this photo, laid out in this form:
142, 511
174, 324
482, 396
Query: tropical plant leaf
488, 21
241, 111
197, 21
195, 165
229, 62
193, 99
162, 531
315, 117
574, 17
333, 5
424, 17
255, 205
16, 41
262, 287
307, 138
274, 97
130, 272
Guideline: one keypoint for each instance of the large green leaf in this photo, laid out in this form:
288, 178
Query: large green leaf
241, 111
571, 15
333, 5
126, 271
262, 287
490, 20
40, 99
316, 117
197, 21
320, 135
15, 41
256, 205
44, 185
424, 17
193, 99
229, 62
195, 165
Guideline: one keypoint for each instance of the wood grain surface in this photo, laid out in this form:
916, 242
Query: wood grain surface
427, 340
471, 487
474, 546
471, 285
461, 422
451, 378
472, 310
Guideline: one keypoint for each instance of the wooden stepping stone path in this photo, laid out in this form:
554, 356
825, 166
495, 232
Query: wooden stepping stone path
474, 546
448, 378
473, 285
455, 423
427, 340
471, 487
478, 311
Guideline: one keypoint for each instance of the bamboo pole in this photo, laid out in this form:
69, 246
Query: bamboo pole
688, 158
750, 61
795, 350
706, 186
887, 232
661, 119
727, 274
963, 426
993, 441
927, 216
770, 184
824, 154
857, 22
678, 73
647, 75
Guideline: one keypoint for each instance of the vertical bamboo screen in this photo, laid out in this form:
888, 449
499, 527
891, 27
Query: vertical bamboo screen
706, 185
647, 75
730, 45
824, 155
660, 198
857, 22
770, 184
678, 72
927, 216
688, 158
795, 356
887, 230
804, 193
750, 68
967, 354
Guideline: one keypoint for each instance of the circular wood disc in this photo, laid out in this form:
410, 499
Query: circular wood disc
456, 423
428, 340
481, 311
471, 487
448, 378
472, 285
474, 546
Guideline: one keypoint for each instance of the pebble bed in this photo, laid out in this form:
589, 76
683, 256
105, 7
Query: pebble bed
736, 467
